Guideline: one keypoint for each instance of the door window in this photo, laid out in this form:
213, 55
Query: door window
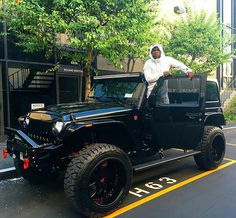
179, 92
212, 93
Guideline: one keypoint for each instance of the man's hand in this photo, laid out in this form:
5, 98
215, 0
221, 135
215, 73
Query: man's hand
167, 73
190, 75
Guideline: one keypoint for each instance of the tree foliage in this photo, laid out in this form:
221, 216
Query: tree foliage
111, 28
198, 40
230, 111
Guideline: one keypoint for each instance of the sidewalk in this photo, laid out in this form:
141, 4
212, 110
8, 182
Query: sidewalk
230, 124
5, 163
7, 169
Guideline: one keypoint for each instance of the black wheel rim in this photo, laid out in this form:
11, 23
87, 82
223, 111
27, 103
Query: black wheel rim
218, 149
107, 182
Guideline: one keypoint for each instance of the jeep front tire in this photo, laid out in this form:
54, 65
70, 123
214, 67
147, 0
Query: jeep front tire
212, 148
98, 180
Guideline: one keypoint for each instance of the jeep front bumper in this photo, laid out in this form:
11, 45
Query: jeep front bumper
21, 146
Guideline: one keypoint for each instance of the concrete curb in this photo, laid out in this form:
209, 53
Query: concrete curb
8, 173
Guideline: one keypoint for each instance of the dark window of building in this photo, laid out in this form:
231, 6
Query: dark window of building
68, 89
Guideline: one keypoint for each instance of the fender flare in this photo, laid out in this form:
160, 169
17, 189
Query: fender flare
75, 128
216, 119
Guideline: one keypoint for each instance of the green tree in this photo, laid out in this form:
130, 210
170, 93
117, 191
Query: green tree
111, 28
198, 40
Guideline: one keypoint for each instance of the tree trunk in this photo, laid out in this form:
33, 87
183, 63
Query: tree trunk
87, 74
132, 68
128, 64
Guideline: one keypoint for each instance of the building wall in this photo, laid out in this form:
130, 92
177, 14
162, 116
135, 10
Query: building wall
227, 21
233, 13
226, 15
208, 5
167, 7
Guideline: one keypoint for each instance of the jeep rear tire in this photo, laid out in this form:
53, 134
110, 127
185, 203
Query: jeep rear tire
98, 180
33, 175
212, 149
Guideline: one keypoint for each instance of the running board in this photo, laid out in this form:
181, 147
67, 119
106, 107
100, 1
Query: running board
154, 163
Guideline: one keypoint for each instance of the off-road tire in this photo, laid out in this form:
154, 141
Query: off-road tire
212, 148
33, 175
87, 167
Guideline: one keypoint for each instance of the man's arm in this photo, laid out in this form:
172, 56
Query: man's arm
179, 65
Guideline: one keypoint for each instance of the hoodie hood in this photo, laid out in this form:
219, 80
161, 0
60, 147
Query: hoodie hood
162, 52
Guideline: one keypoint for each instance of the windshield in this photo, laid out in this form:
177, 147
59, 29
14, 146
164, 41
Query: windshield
120, 90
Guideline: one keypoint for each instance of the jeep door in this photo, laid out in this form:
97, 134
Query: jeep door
177, 105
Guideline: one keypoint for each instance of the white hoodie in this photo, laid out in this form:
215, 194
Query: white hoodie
154, 68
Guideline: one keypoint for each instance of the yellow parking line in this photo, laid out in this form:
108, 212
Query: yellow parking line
231, 144
229, 159
165, 191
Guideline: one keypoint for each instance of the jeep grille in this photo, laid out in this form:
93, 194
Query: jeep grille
40, 132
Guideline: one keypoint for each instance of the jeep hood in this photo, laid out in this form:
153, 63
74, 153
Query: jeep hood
78, 111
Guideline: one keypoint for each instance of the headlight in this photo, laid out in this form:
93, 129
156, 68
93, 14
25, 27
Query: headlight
58, 127
26, 122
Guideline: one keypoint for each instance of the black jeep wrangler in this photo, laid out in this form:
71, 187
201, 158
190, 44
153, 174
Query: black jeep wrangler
99, 144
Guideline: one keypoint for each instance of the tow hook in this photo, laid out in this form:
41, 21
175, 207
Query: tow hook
26, 163
4, 153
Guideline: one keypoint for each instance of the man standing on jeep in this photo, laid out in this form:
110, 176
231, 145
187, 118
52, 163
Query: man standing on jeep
159, 65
